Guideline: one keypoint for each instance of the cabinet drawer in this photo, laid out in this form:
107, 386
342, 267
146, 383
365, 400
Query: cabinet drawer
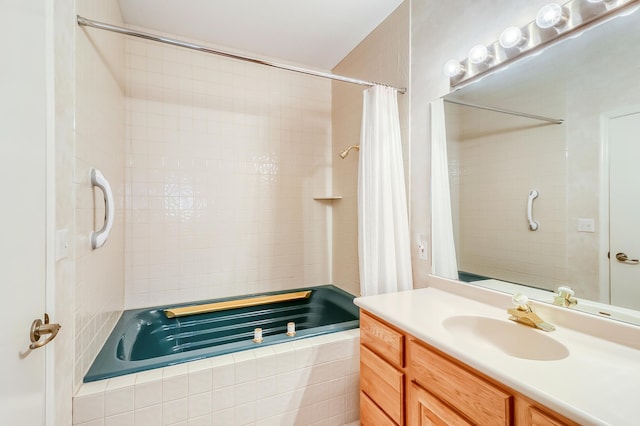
371, 414
477, 399
382, 383
424, 409
384, 340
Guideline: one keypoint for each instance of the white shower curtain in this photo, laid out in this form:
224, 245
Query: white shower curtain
443, 249
383, 225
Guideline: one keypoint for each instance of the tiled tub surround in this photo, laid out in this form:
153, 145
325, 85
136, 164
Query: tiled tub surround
223, 159
312, 382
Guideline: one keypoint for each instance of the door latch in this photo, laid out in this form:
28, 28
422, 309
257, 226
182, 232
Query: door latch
39, 328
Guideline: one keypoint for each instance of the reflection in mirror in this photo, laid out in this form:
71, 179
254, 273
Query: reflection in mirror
585, 171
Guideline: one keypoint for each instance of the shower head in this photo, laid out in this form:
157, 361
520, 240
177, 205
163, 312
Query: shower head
344, 153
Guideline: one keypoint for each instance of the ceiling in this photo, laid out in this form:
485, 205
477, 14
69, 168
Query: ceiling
315, 33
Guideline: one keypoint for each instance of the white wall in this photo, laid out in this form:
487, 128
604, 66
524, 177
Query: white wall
223, 159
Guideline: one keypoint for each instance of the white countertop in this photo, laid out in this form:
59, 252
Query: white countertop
597, 383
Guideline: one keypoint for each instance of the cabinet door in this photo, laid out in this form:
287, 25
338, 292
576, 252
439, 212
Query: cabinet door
424, 409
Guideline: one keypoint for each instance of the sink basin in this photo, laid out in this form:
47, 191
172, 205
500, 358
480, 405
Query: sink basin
513, 339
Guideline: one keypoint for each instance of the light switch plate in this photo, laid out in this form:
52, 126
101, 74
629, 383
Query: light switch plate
586, 225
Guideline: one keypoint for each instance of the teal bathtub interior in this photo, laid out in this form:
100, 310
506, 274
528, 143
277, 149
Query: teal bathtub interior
144, 339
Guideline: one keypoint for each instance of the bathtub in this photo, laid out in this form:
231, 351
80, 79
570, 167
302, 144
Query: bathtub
145, 339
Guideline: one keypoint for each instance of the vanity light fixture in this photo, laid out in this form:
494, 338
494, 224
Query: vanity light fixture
512, 37
479, 54
453, 68
514, 42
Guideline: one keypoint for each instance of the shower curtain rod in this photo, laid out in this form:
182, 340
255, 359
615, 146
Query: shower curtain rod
108, 27
507, 111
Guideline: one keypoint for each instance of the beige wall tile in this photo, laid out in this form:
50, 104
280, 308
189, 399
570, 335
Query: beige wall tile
223, 159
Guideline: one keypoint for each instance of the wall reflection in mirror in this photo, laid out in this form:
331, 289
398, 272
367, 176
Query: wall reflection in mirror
586, 170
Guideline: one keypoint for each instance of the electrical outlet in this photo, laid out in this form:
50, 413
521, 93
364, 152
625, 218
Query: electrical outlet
586, 225
422, 247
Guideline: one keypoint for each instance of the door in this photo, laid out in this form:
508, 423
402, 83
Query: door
23, 208
624, 210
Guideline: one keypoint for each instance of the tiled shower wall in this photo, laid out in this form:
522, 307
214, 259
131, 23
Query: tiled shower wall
223, 159
99, 143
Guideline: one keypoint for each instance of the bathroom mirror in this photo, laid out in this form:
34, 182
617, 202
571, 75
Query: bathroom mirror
579, 180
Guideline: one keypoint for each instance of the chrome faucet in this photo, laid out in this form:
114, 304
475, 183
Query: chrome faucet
523, 314
564, 297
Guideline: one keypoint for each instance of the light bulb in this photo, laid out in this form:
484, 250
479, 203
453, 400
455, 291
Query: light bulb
478, 54
453, 68
550, 15
511, 37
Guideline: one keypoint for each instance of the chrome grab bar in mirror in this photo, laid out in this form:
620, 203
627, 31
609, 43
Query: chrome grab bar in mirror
533, 225
98, 238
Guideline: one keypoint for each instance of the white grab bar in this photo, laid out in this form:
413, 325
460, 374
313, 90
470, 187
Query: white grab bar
533, 225
98, 238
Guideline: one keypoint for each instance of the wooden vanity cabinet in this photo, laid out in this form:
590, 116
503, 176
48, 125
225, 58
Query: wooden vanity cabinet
405, 381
